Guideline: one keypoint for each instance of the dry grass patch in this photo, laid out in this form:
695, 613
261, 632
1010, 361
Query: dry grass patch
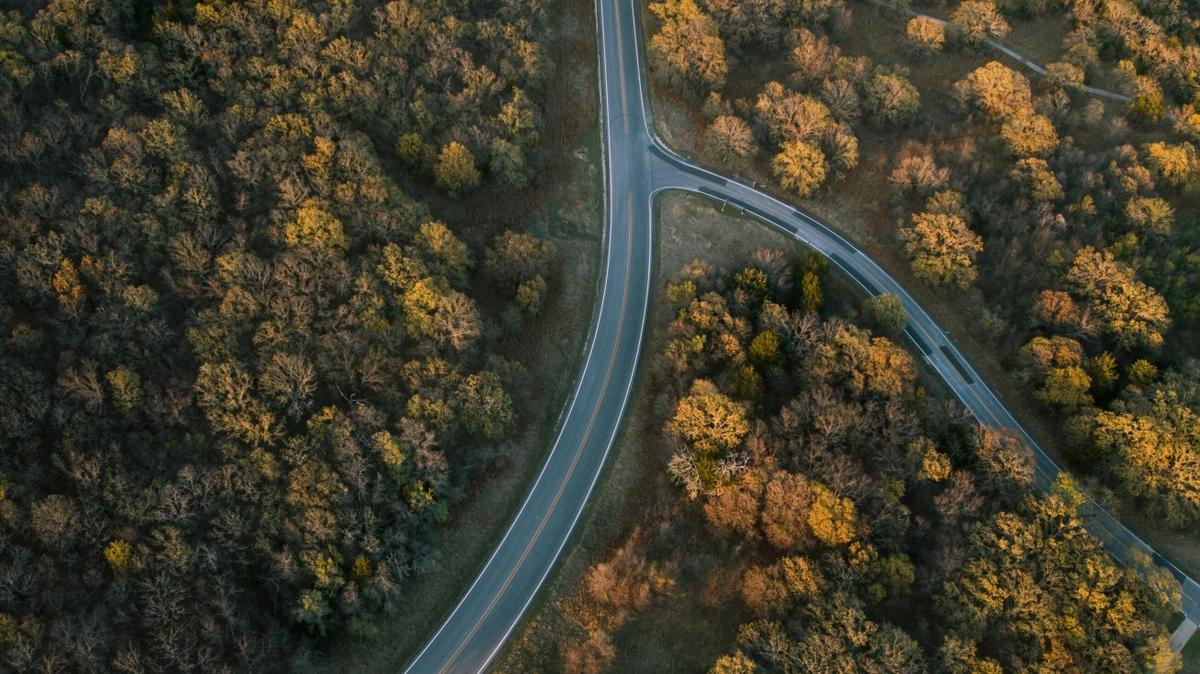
1039, 39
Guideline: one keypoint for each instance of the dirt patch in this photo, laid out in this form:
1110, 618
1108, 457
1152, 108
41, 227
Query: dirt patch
1039, 39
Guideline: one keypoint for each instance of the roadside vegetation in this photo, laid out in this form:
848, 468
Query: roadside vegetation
272, 276
797, 495
1058, 230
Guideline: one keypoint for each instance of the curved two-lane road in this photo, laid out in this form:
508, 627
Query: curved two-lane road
476, 629
637, 166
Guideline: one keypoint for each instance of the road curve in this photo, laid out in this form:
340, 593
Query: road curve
478, 626
673, 171
637, 167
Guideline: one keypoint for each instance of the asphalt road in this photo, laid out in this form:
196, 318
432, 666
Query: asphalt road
638, 166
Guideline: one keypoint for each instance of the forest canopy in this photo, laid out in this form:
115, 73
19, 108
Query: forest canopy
825, 512
245, 369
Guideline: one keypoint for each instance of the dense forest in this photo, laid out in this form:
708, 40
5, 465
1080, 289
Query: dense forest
855, 521
1063, 227
245, 367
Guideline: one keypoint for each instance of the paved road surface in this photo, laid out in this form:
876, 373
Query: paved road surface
638, 166
1182, 634
477, 628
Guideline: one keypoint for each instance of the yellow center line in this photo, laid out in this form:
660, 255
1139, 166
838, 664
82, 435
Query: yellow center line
621, 67
970, 392
574, 461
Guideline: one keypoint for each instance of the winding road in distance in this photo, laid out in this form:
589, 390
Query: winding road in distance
637, 167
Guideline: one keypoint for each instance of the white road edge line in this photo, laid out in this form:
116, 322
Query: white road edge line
628, 385
593, 331
574, 395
